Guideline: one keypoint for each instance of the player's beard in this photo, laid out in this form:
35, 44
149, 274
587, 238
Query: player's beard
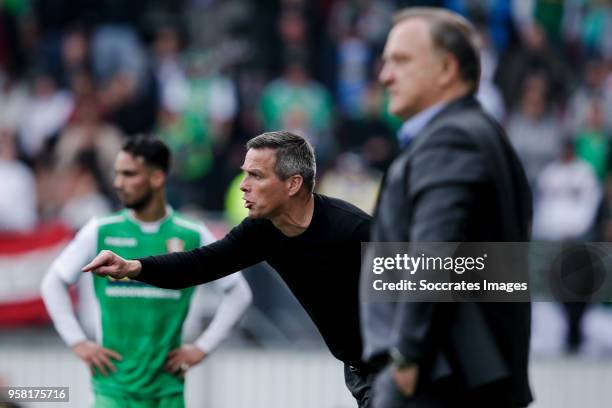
140, 203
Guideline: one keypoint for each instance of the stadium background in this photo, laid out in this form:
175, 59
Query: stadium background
77, 77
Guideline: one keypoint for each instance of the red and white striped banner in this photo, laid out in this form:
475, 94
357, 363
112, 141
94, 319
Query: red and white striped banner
24, 260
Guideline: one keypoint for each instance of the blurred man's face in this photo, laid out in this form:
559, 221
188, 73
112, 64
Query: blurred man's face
133, 181
264, 192
411, 68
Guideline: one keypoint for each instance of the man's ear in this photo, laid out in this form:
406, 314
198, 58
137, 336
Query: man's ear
450, 71
294, 184
158, 178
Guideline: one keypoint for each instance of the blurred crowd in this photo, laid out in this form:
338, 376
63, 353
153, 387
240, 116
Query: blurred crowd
79, 77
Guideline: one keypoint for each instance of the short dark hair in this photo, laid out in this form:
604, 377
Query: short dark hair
294, 155
154, 152
450, 33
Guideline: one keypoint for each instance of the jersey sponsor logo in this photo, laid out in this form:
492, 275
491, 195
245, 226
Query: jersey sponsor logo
175, 245
121, 241
141, 292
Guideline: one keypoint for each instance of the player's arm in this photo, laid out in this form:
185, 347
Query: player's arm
236, 299
63, 273
240, 248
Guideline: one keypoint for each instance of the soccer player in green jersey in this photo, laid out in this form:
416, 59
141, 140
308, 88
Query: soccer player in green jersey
137, 359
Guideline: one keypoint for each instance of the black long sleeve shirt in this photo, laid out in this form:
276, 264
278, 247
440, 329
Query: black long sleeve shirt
320, 266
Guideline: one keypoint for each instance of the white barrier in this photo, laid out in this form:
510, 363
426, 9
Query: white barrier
229, 379
249, 378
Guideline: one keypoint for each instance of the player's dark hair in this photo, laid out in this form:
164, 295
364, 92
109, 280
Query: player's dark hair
154, 152
294, 155
450, 33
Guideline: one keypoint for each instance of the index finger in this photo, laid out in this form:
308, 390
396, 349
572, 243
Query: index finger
97, 262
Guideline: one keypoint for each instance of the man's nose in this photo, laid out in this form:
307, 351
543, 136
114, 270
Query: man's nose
384, 77
243, 185
118, 182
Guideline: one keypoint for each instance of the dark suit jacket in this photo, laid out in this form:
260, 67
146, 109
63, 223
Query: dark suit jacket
458, 181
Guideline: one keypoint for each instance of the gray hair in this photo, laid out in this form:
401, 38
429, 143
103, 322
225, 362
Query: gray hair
451, 33
294, 155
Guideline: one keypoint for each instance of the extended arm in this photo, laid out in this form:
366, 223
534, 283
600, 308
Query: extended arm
240, 248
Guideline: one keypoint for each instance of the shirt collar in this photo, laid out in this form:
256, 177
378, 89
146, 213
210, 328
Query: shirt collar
415, 124
151, 227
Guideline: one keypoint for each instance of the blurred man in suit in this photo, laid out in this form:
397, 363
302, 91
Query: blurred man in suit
456, 180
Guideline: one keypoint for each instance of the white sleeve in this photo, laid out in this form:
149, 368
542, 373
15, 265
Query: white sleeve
206, 237
65, 271
233, 305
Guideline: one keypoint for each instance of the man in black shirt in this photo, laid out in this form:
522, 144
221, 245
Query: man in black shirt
312, 241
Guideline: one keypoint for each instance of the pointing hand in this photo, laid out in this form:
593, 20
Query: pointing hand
107, 263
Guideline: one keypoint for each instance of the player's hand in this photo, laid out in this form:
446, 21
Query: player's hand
182, 358
96, 356
406, 379
107, 263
